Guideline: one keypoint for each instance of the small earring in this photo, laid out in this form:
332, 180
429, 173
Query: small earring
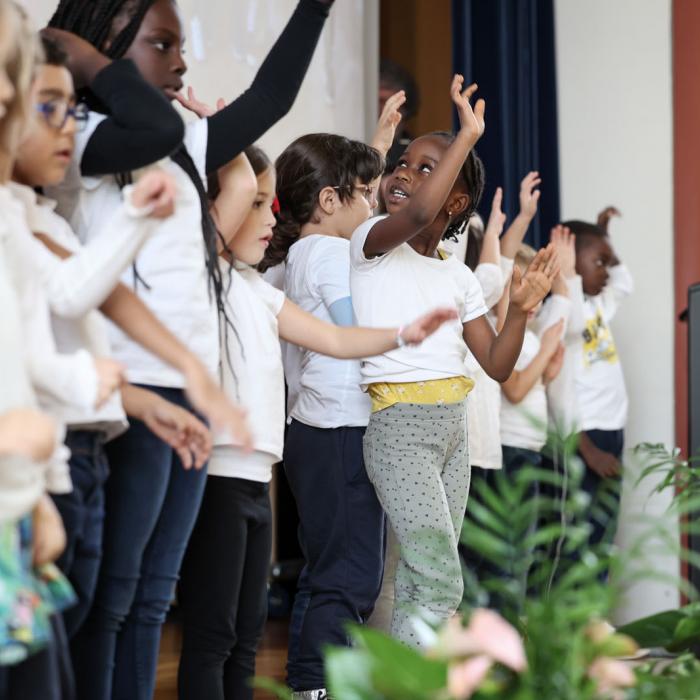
449, 213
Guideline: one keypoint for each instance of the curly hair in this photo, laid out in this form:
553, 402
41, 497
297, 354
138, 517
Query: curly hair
304, 168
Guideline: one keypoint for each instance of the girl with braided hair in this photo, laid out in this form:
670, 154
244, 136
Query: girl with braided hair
152, 503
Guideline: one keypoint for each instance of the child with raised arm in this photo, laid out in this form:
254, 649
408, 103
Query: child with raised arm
415, 445
224, 575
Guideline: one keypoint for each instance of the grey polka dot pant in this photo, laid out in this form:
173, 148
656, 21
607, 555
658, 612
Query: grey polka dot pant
416, 457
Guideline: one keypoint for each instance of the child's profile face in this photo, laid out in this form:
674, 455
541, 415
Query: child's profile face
412, 169
7, 89
46, 151
592, 263
253, 237
157, 49
354, 211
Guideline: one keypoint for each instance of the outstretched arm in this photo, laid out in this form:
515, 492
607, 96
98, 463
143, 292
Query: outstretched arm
529, 198
274, 88
304, 329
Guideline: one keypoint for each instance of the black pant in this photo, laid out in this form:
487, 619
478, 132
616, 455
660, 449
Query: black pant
342, 535
223, 590
46, 675
83, 513
603, 513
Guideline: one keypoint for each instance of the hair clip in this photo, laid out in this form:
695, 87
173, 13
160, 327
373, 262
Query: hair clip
276, 205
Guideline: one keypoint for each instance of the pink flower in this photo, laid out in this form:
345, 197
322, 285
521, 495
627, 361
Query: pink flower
488, 634
611, 675
465, 677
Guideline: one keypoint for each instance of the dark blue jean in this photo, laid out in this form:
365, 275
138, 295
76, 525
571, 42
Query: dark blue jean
342, 536
151, 506
83, 512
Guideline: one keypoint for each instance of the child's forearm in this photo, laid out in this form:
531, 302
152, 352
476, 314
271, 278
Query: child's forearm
238, 190
506, 346
136, 400
515, 234
520, 383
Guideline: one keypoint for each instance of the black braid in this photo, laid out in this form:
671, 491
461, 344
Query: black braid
473, 177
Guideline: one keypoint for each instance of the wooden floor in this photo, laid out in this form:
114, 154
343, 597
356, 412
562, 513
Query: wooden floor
272, 657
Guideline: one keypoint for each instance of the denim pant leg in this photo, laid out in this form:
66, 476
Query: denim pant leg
151, 505
342, 528
82, 511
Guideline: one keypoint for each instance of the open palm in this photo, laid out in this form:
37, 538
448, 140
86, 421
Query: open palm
529, 289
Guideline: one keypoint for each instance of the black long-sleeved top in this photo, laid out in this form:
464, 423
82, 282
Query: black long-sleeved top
142, 127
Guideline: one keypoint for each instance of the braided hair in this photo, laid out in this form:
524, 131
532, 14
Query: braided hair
304, 168
473, 176
118, 22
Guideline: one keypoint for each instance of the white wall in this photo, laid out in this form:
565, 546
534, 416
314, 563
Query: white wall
615, 138
227, 41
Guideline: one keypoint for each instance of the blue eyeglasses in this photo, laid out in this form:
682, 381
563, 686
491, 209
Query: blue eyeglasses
57, 112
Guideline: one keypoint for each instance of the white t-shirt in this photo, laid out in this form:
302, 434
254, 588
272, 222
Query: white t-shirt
601, 395
328, 393
86, 331
395, 289
171, 263
524, 424
254, 378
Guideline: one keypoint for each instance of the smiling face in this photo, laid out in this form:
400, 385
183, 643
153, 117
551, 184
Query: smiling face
253, 237
46, 151
157, 49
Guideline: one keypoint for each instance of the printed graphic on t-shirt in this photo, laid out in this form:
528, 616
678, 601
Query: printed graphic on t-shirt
598, 342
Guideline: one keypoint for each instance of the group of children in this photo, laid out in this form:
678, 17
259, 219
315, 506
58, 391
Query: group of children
137, 451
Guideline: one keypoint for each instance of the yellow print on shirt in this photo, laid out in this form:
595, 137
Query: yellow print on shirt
598, 342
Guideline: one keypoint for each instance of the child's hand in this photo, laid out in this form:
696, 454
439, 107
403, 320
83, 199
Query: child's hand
551, 339
49, 536
212, 403
497, 218
529, 196
28, 433
110, 375
425, 326
603, 463
155, 190
605, 216
555, 364
565, 244
471, 121
528, 290
389, 119
177, 427
201, 109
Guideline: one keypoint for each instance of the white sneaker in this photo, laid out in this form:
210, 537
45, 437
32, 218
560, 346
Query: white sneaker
320, 694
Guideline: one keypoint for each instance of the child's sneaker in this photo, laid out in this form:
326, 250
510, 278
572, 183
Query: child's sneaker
320, 694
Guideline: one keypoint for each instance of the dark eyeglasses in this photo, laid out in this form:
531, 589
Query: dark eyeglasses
57, 112
367, 192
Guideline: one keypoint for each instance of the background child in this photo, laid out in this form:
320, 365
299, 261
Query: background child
223, 589
601, 283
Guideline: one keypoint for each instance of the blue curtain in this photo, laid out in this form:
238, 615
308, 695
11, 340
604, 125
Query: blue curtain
507, 47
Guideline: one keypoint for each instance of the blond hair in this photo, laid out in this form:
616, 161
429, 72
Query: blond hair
22, 53
524, 256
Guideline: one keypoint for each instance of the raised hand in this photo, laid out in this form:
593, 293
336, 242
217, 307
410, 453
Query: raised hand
389, 119
555, 364
497, 219
201, 109
471, 120
110, 375
605, 216
177, 427
425, 326
155, 191
565, 245
529, 196
528, 290
551, 339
